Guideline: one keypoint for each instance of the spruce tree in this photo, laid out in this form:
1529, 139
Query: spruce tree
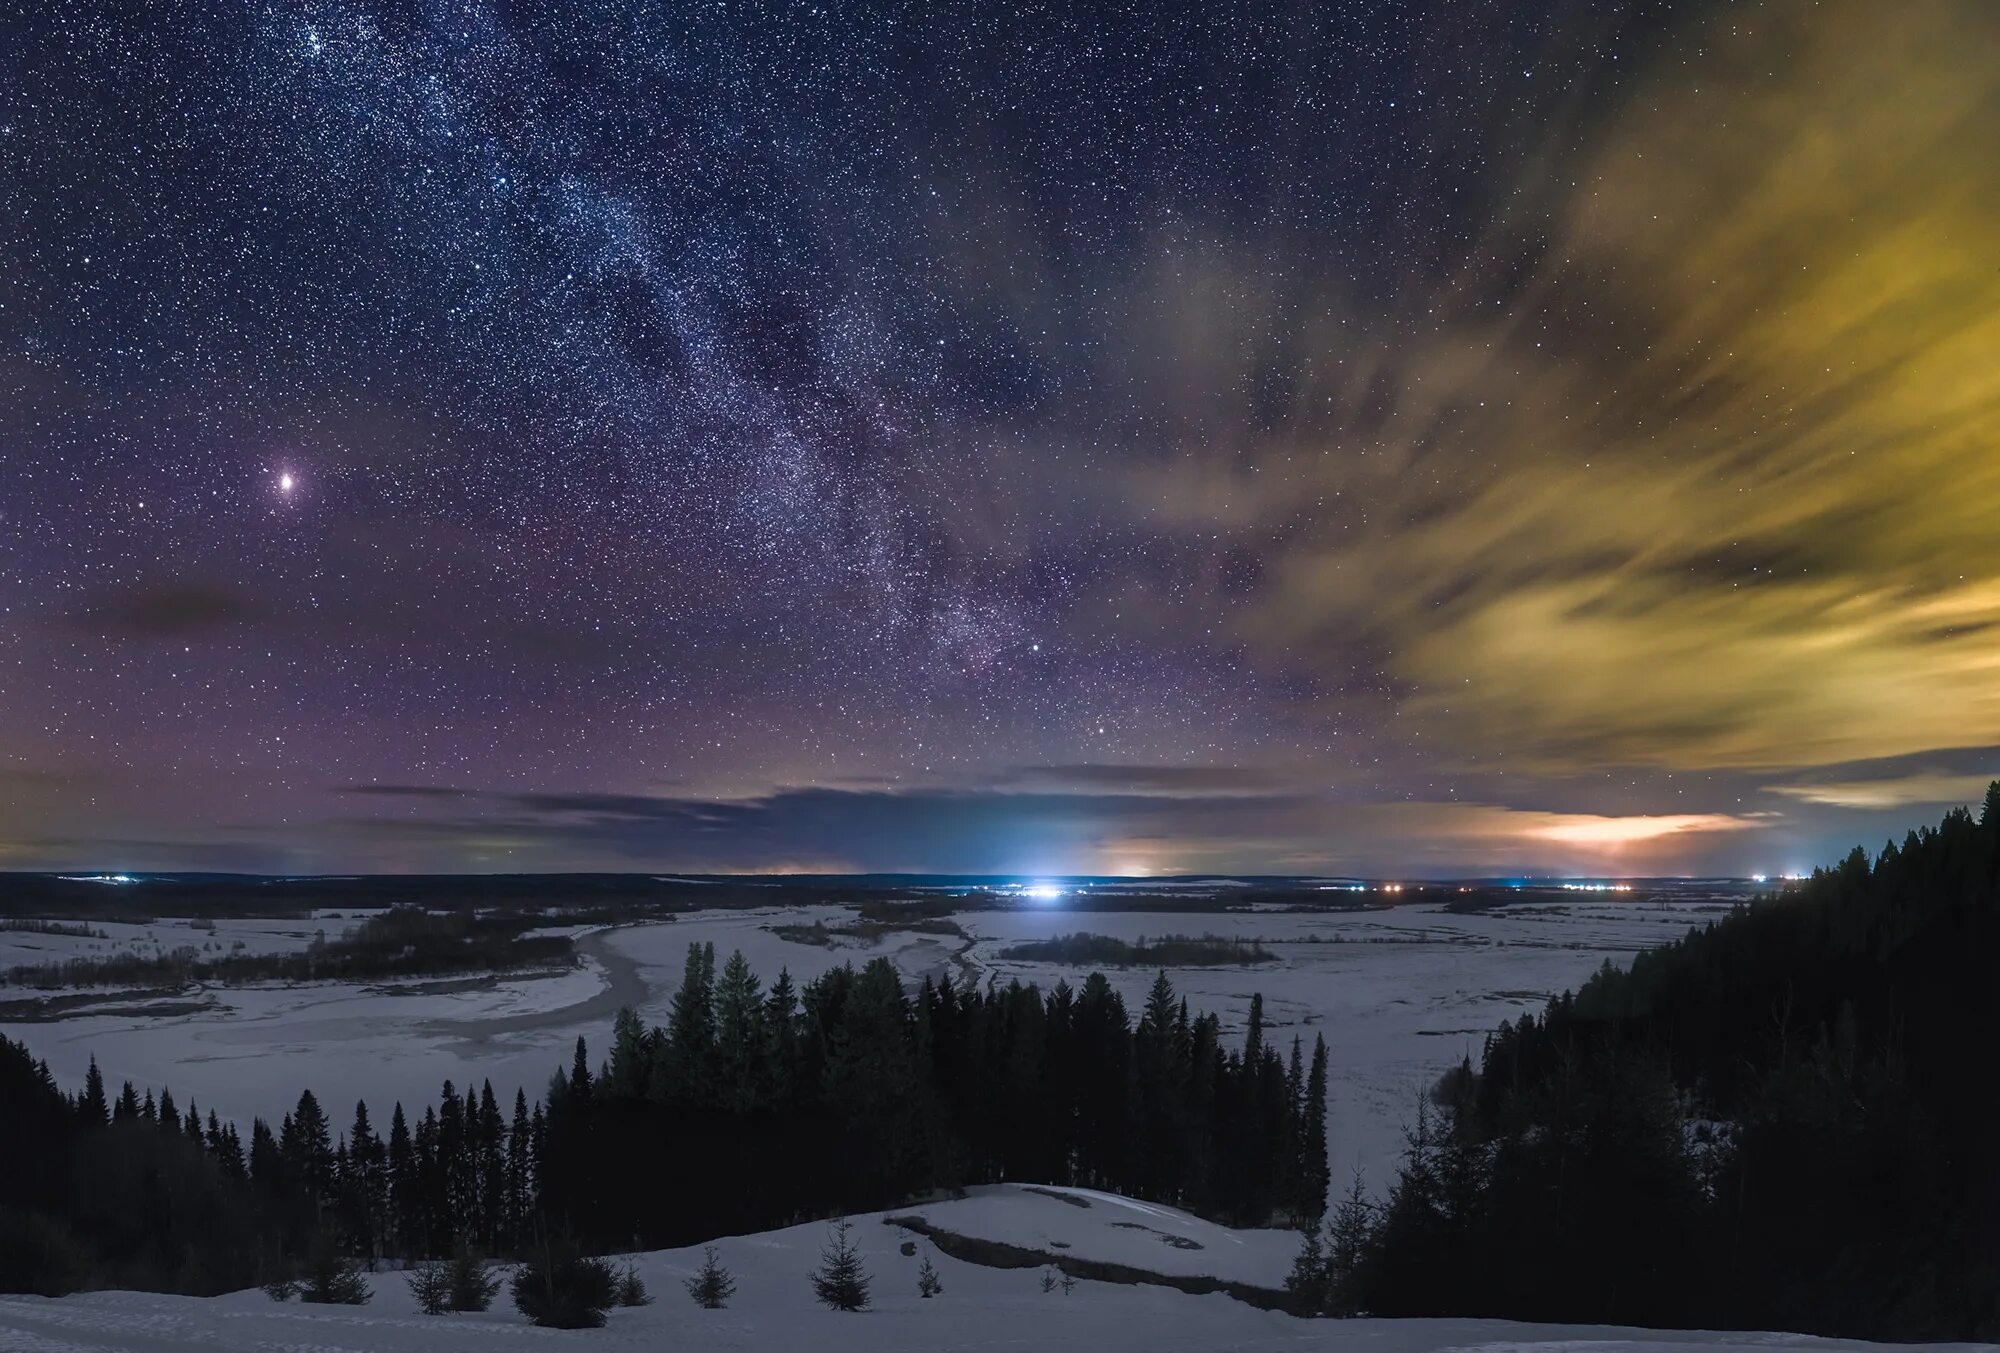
430, 1284
1306, 1283
1349, 1235
712, 1286
520, 1173
92, 1106
469, 1283
928, 1282
1313, 1168
631, 1288
840, 1282
400, 1169
629, 1072
490, 1142
560, 1287
739, 1035
330, 1277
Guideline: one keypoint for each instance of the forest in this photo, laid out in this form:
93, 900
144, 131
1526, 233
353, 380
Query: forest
1784, 1121
751, 1108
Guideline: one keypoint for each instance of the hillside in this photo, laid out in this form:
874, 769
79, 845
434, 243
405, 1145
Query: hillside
980, 1307
1786, 1119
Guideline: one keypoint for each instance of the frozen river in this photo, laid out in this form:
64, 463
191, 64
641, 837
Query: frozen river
1399, 994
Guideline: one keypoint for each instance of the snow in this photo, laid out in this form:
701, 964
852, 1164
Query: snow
1115, 1230
1400, 995
980, 1308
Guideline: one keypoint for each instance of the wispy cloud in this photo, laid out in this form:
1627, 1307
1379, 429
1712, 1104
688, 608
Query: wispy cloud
1896, 792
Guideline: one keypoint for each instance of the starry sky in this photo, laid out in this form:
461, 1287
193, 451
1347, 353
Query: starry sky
1369, 438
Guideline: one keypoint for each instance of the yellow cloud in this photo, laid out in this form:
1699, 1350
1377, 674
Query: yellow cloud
1896, 792
1718, 487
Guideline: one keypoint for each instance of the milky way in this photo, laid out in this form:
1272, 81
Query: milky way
1352, 437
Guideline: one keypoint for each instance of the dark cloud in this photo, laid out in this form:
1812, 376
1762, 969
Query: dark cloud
1142, 779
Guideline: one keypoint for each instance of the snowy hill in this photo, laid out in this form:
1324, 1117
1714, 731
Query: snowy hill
981, 1307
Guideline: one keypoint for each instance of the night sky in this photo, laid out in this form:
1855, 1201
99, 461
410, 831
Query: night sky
1371, 438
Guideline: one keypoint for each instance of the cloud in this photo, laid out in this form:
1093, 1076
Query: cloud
1710, 482
1034, 832
1903, 791
1148, 779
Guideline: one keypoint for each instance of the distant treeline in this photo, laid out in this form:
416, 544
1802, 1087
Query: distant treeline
29, 926
401, 942
1165, 951
749, 1109
1785, 1121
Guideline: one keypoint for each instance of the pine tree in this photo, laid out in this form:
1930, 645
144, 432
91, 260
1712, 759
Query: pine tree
840, 1282
308, 1148
1313, 1168
266, 1163
560, 1287
781, 1036
739, 1035
1349, 1236
331, 1278
712, 1287
928, 1282
520, 1173
629, 1072
469, 1283
684, 1073
1306, 1283
490, 1140
400, 1169
631, 1288
430, 1284
366, 1195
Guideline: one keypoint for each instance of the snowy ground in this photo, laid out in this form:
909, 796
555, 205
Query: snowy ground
1400, 995
979, 1309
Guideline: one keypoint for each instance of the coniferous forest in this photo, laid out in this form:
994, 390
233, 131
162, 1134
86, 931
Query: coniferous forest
750, 1109
1785, 1121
